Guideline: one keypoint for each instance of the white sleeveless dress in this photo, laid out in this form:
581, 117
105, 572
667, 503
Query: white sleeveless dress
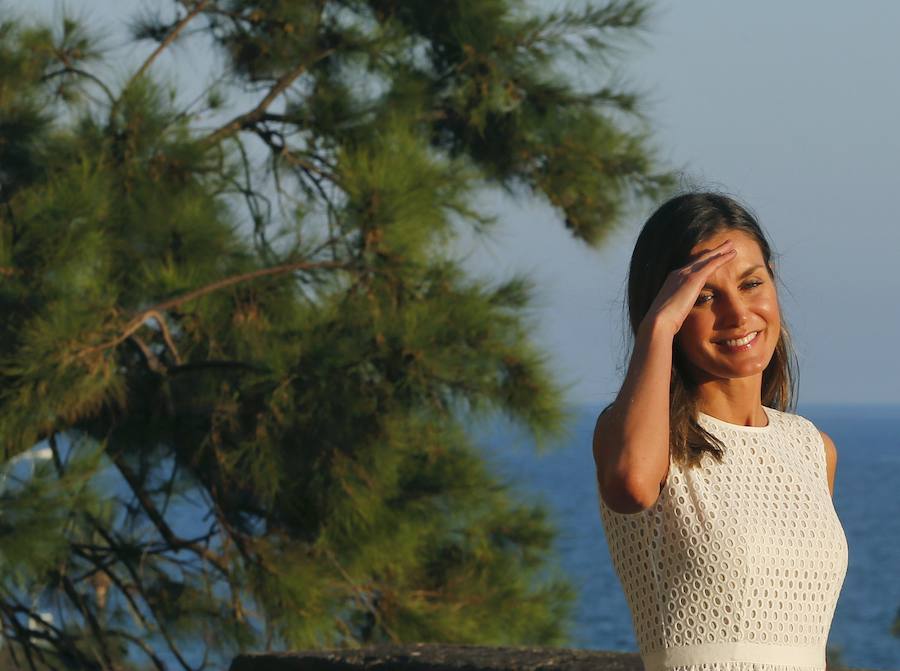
737, 566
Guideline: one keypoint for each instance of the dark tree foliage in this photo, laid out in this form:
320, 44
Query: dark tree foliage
239, 360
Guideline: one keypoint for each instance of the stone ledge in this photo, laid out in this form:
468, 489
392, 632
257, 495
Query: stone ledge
440, 657
443, 657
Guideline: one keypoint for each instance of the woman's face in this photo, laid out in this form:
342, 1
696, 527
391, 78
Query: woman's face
739, 299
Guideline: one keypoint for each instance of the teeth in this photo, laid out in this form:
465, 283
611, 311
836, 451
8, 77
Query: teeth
743, 341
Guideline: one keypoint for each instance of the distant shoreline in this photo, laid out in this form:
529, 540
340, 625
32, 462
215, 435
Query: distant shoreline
875, 409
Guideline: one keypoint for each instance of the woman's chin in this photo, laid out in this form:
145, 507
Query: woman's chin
717, 368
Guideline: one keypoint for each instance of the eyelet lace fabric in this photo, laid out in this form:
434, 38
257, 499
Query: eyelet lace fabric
737, 566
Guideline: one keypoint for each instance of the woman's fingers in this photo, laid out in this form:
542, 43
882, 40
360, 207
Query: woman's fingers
713, 258
721, 258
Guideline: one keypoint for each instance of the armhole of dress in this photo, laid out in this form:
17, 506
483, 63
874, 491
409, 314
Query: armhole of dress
821, 463
665, 480
665, 483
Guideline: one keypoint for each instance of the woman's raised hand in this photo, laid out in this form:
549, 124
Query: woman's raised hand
682, 287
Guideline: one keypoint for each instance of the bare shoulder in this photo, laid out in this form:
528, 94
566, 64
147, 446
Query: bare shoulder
600, 424
599, 430
830, 449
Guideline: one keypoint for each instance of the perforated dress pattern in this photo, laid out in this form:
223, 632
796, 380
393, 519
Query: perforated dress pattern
737, 566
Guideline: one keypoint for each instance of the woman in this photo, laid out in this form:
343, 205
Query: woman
715, 497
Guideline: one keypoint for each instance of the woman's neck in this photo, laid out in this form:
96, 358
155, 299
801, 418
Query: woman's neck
738, 402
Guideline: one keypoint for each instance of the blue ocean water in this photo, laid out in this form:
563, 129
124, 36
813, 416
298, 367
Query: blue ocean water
867, 488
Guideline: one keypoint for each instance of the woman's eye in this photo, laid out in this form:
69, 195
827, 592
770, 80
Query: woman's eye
705, 298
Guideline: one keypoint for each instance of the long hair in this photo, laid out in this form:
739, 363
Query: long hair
664, 244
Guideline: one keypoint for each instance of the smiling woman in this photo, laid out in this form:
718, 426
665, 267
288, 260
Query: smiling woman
734, 326
714, 494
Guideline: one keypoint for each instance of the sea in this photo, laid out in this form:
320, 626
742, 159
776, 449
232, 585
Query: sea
866, 499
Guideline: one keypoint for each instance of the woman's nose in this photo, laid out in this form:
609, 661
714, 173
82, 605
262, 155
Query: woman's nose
733, 311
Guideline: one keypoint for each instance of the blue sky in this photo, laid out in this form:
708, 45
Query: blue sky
793, 108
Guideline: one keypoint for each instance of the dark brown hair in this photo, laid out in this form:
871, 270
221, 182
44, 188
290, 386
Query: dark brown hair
664, 244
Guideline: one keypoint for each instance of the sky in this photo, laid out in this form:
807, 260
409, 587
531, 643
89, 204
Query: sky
790, 106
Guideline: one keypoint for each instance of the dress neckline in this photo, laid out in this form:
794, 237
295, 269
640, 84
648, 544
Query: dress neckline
740, 427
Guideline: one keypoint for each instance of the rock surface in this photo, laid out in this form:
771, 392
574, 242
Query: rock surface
440, 657
443, 657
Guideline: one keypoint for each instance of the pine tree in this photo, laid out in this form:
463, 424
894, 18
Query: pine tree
240, 361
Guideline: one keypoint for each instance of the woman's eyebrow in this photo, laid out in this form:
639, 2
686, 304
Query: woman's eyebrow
748, 271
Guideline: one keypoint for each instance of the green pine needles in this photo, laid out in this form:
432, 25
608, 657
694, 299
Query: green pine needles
239, 359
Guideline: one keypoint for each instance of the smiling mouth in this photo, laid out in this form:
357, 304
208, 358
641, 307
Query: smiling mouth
738, 344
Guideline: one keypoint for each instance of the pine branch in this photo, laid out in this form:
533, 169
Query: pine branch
310, 171
223, 522
362, 597
68, 69
248, 119
294, 158
176, 30
136, 322
85, 609
62, 641
22, 635
132, 604
235, 537
174, 541
69, 588
145, 648
136, 578
167, 336
153, 362
162, 630
120, 551
237, 279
